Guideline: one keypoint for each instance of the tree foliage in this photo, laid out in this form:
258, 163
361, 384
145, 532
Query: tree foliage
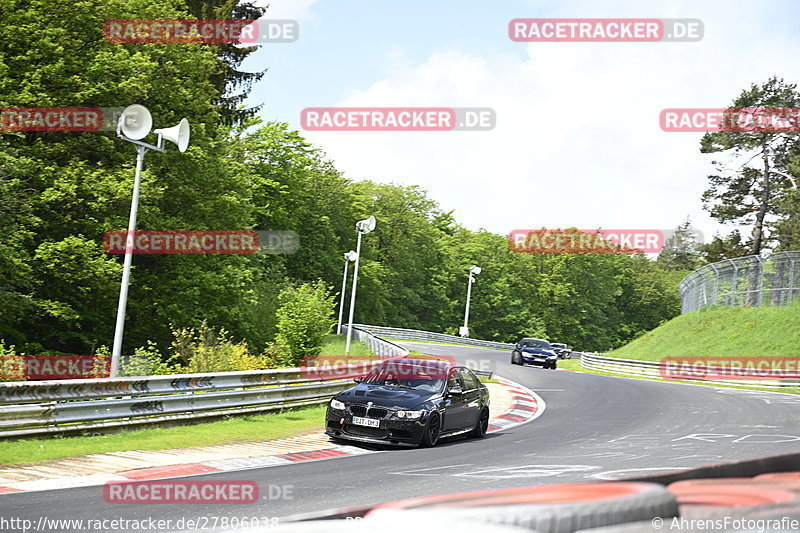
61, 191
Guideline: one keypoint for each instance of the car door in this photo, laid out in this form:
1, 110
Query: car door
471, 397
455, 407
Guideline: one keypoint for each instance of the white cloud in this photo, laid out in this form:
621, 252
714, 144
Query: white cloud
577, 142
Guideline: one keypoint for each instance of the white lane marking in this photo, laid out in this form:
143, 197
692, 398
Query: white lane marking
421, 471
613, 475
527, 471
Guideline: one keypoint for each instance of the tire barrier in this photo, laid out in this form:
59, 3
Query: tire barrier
561, 508
411, 521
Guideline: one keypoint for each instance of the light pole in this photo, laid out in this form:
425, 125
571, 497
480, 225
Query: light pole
134, 124
363, 227
349, 256
473, 271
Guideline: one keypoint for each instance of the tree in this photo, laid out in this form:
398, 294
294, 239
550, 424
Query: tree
747, 195
305, 317
681, 250
727, 247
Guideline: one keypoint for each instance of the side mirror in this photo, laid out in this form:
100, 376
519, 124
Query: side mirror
455, 391
358, 380
519, 346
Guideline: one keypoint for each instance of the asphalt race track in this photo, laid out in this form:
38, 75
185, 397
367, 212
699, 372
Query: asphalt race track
593, 428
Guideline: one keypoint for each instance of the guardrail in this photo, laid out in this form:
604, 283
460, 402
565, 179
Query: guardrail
653, 369
30, 408
419, 335
376, 344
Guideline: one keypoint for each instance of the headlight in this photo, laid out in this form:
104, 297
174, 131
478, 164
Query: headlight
336, 404
409, 415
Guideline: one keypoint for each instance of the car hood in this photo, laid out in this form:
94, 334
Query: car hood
385, 396
538, 351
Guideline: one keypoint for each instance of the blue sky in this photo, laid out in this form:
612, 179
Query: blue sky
577, 141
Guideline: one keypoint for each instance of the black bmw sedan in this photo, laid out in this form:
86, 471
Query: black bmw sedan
410, 401
534, 352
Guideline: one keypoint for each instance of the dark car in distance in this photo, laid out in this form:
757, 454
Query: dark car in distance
536, 352
409, 401
562, 350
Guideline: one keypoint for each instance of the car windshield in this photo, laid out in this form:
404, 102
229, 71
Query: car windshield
536, 344
421, 376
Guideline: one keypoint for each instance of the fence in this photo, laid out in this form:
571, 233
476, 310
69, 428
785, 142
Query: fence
750, 280
30, 408
419, 335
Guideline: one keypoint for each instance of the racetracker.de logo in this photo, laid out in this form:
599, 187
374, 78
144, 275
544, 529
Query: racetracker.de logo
740, 120
350, 366
398, 119
201, 31
584, 30
181, 491
730, 368
58, 118
182, 242
40, 367
586, 240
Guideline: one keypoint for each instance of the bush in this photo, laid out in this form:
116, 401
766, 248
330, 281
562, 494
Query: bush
206, 350
12, 365
146, 361
305, 317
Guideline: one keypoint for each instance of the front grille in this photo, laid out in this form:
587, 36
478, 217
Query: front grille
358, 410
377, 412
376, 433
374, 412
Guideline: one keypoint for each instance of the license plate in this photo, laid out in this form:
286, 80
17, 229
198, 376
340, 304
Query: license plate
369, 422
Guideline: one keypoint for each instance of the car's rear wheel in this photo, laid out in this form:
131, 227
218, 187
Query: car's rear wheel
482, 425
430, 435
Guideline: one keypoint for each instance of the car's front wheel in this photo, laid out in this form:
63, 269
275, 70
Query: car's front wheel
430, 435
482, 425
516, 359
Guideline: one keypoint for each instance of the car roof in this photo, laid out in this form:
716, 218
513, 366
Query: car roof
417, 360
532, 339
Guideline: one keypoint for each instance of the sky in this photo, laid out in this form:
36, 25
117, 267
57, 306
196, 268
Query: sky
577, 141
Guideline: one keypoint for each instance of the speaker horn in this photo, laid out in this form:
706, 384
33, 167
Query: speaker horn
135, 122
176, 134
366, 225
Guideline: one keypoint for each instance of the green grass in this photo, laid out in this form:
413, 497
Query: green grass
234, 430
721, 331
335, 345
230, 431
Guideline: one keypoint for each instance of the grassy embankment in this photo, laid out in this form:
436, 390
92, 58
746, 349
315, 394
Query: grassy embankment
717, 332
